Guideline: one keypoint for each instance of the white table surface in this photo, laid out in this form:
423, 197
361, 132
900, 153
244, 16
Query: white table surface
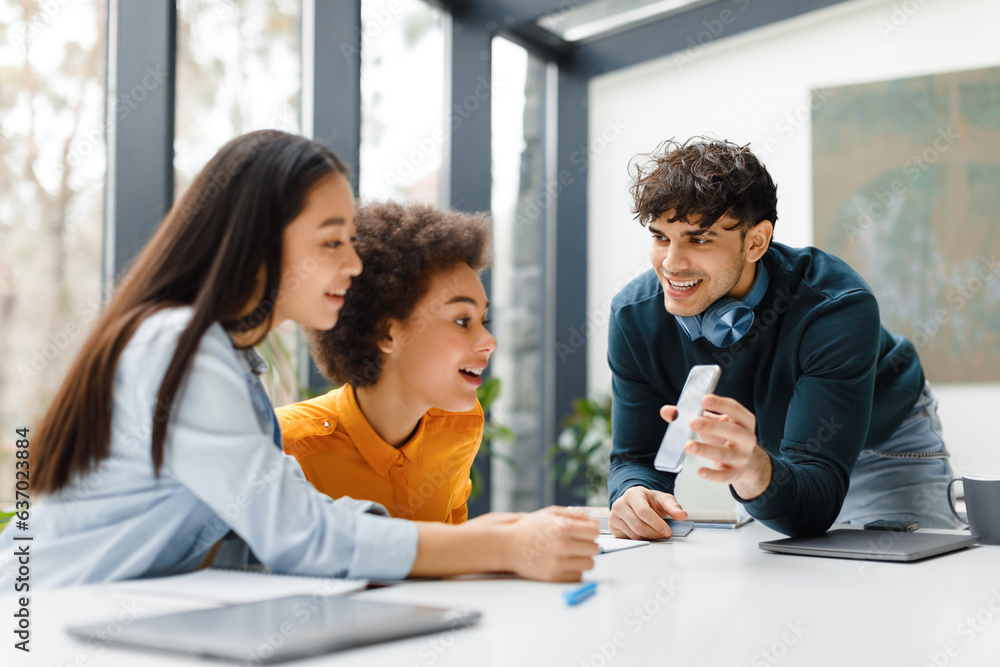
712, 598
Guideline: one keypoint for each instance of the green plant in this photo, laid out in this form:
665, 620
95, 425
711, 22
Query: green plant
5, 518
487, 393
583, 449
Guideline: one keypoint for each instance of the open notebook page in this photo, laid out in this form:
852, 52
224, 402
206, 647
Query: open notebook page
237, 586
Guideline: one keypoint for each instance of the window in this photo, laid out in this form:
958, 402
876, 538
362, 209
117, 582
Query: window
518, 274
52, 166
239, 68
402, 100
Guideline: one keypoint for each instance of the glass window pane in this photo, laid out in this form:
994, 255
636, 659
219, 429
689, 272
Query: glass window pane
52, 165
518, 286
402, 100
239, 68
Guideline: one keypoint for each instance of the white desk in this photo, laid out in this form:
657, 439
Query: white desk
712, 598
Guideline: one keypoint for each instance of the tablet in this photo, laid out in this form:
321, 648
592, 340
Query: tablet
872, 545
282, 629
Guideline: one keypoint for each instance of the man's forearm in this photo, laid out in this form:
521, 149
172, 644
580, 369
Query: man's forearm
757, 476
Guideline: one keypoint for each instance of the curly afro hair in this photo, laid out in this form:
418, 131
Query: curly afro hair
402, 246
703, 177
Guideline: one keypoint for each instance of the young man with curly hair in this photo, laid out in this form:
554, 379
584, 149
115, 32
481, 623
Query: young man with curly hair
820, 414
409, 349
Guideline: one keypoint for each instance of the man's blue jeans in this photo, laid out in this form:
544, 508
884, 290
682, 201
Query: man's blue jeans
906, 477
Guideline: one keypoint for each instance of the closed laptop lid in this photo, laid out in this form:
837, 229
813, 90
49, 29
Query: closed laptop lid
284, 628
872, 545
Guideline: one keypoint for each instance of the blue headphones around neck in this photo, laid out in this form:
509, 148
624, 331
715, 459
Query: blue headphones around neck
728, 319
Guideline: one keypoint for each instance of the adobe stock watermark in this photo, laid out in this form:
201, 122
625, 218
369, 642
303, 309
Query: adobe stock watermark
967, 630
596, 319
48, 9
140, 434
795, 119
764, 320
56, 342
634, 622
779, 648
714, 29
828, 428
90, 142
300, 614
372, 25
424, 149
565, 7
436, 647
610, 131
221, 179
259, 481
545, 538
105, 637
986, 270
881, 202
899, 16
40, 357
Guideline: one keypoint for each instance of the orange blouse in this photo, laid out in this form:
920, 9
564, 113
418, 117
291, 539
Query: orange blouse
426, 479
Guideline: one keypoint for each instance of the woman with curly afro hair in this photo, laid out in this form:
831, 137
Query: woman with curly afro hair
408, 353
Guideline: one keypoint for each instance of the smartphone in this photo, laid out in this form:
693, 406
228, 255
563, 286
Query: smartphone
701, 380
893, 526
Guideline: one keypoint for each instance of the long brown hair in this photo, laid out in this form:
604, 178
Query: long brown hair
208, 254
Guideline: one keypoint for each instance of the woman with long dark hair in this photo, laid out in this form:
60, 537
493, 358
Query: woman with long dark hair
161, 450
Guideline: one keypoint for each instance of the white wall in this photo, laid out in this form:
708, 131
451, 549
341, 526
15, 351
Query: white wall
755, 87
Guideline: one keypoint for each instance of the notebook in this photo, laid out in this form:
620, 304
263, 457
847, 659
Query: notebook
224, 587
872, 545
282, 629
609, 544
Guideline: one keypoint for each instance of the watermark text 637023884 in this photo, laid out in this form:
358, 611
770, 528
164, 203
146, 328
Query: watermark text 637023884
22, 542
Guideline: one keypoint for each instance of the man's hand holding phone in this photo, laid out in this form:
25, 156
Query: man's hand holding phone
638, 514
728, 435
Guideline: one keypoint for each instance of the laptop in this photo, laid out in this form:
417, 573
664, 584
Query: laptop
282, 629
872, 545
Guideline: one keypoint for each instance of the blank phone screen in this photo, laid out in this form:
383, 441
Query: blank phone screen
701, 380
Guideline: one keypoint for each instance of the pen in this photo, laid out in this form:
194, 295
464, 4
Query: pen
578, 595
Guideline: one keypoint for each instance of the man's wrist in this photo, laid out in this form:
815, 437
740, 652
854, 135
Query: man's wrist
756, 476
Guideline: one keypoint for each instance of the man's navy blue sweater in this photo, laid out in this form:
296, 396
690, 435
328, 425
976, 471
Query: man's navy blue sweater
818, 370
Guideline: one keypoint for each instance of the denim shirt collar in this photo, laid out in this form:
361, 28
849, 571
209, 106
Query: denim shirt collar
256, 362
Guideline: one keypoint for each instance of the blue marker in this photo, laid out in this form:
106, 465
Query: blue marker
578, 595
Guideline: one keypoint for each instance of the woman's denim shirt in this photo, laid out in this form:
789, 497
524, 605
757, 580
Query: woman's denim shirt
222, 472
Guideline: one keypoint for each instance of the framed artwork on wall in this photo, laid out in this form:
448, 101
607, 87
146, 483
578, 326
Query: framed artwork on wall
906, 189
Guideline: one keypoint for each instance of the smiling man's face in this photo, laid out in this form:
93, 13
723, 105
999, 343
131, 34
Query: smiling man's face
696, 266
